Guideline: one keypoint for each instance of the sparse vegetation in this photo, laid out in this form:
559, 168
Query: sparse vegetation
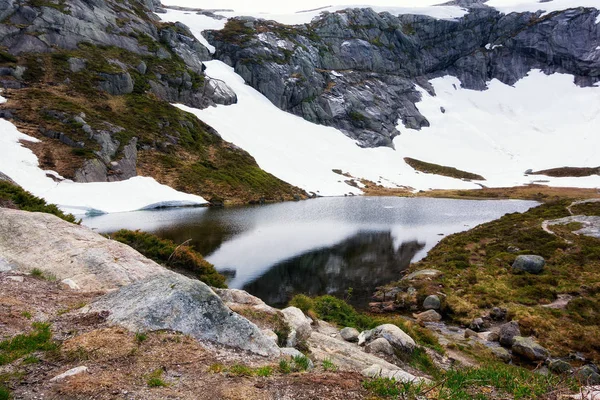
328, 365
332, 309
477, 276
171, 255
155, 379
436, 169
284, 367
140, 337
568, 172
40, 339
11, 195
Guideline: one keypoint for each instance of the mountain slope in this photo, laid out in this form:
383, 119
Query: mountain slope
92, 81
488, 93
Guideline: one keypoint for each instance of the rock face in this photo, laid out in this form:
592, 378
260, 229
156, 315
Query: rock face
529, 349
174, 302
529, 263
69, 251
359, 70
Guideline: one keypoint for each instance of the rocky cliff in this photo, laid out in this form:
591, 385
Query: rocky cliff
93, 80
360, 71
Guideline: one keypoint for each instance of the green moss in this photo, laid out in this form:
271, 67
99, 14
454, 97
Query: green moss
235, 31
24, 200
171, 255
40, 339
430, 168
6, 58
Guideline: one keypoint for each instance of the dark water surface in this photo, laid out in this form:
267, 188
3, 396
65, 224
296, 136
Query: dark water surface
319, 246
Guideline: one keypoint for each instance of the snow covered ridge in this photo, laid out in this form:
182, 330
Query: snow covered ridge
293, 13
21, 165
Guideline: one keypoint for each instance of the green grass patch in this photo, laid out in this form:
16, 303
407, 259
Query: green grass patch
589, 208
155, 379
477, 275
4, 393
40, 339
328, 365
171, 255
25, 201
436, 169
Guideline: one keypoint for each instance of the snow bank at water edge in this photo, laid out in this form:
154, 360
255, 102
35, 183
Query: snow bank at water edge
21, 165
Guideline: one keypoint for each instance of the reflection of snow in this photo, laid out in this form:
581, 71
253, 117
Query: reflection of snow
265, 246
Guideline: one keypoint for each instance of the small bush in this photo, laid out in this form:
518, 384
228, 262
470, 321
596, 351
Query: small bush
216, 368
25, 201
383, 387
4, 393
155, 379
301, 363
328, 365
140, 337
284, 367
169, 254
265, 371
240, 370
40, 339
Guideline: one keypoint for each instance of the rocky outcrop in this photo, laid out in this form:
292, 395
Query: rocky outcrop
177, 303
528, 348
360, 71
69, 251
529, 263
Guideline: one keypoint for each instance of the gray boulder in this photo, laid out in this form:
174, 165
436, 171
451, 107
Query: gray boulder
529, 263
116, 84
428, 316
507, 333
588, 375
380, 346
502, 354
350, 334
432, 302
299, 324
478, 325
528, 348
559, 366
76, 64
174, 302
498, 314
394, 335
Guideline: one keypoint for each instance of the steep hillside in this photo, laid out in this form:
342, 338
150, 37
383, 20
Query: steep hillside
93, 82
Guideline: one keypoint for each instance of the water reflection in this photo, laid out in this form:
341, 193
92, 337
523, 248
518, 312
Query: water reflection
318, 246
362, 262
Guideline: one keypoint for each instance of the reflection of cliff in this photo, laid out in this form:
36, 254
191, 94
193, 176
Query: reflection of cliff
362, 262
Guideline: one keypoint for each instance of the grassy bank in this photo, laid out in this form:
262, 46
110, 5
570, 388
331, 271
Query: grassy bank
477, 275
12, 196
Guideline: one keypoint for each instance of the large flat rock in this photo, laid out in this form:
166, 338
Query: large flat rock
175, 302
69, 251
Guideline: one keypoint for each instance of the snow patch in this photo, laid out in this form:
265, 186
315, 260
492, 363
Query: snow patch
543, 121
508, 6
21, 165
196, 22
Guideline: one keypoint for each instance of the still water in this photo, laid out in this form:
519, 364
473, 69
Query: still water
319, 246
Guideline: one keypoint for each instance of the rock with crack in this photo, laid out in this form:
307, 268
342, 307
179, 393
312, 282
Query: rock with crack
299, 324
378, 371
394, 335
70, 251
177, 303
528, 348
